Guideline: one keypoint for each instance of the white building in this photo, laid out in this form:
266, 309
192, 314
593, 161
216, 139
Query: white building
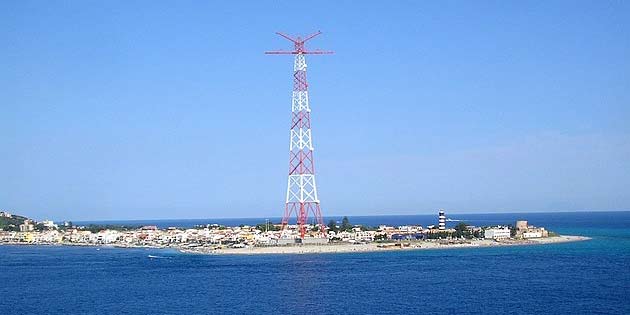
48, 237
497, 233
104, 237
410, 228
49, 224
532, 234
27, 226
365, 236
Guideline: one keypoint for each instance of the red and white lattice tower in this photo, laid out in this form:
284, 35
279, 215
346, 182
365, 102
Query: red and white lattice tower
302, 196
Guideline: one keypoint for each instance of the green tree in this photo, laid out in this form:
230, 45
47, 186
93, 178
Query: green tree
332, 226
12, 223
439, 235
267, 226
461, 229
512, 231
345, 224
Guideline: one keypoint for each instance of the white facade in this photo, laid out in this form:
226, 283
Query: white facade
364, 235
48, 237
27, 226
104, 237
497, 233
532, 234
49, 224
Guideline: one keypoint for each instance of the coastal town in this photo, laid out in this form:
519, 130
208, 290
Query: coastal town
274, 238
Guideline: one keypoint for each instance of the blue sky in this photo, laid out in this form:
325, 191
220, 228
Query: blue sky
138, 109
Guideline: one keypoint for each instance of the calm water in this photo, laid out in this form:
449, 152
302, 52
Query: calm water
580, 278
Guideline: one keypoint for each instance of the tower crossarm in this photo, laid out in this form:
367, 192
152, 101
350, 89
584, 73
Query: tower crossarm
310, 52
299, 48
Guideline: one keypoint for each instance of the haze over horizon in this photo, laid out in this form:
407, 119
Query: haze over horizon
277, 218
143, 110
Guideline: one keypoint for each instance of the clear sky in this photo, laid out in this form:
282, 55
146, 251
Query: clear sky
140, 109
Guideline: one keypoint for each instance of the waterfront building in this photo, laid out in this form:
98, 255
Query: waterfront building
497, 233
105, 237
535, 232
27, 237
385, 228
441, 220
27, 226
523, 230
49, 224
410, 228
48, 237
366, 236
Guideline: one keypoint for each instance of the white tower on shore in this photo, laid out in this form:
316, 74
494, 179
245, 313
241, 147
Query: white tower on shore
441, 220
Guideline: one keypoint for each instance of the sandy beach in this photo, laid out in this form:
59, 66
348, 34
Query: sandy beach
374, 247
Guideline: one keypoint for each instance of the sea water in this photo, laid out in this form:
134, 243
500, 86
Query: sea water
578, 278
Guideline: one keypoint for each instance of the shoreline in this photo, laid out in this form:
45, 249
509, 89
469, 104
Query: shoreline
374, 247
336, 248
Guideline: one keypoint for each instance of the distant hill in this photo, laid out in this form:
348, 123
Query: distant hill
12, 223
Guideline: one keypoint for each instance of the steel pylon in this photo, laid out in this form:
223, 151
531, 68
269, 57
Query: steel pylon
301, 197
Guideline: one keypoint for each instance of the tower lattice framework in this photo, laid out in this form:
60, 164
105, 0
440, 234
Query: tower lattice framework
301, 198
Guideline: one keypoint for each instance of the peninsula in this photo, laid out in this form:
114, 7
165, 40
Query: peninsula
269, 238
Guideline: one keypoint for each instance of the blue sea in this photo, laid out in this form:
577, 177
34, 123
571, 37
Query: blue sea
590, 277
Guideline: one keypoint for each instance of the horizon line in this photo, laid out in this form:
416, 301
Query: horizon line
345, 215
